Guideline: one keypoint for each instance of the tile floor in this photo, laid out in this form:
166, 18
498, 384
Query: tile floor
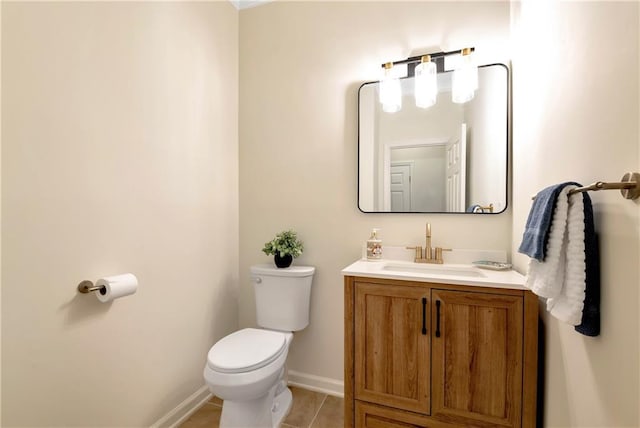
310, 410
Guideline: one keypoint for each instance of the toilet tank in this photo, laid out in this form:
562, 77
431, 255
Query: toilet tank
282, 296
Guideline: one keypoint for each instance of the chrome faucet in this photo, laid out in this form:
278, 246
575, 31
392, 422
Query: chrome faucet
430, 255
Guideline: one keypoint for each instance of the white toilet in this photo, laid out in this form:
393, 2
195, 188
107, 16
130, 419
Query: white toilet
246, 369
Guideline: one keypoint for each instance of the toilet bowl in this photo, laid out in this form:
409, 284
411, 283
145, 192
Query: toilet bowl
246, 369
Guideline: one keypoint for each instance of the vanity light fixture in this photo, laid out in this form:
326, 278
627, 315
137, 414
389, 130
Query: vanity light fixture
465, 78
390, 90
426, 82
425, 69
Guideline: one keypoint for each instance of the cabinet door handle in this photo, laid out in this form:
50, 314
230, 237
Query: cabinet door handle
437, 318
424, 315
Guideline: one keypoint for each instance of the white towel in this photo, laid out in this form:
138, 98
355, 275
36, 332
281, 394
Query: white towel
546, 278
561, 277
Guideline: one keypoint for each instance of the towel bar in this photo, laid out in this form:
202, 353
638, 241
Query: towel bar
629, 186
487, 208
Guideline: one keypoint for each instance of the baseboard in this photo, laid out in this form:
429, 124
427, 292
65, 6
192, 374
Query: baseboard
192, 403
316, 383
185, 409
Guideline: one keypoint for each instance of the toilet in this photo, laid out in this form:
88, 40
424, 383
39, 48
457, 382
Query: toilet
246, 369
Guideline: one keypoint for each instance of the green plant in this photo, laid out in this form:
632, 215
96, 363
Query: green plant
284, 243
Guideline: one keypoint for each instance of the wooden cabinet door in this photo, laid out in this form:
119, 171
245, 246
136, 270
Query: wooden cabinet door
477, 358
392, 346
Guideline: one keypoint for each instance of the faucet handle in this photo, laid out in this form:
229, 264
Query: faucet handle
439, 251
418, 251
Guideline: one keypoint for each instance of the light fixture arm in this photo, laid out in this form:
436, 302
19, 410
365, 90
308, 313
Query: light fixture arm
436, 57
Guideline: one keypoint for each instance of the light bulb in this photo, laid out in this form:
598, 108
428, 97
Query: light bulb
465, 78
390, 91
426, 83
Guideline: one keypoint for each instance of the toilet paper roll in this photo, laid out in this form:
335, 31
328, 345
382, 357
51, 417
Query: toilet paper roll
113, 287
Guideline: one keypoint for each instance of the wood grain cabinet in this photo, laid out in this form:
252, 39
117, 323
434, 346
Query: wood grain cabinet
420, 354
391, 347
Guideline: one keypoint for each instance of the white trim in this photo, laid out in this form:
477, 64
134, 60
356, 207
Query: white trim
246, 4
316, 383
185, 409
386, 163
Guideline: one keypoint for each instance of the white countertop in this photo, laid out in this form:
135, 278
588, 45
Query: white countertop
448, 273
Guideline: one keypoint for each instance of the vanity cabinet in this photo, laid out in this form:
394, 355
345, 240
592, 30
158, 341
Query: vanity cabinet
420, 354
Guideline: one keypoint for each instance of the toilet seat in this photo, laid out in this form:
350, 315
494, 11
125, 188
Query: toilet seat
246, 350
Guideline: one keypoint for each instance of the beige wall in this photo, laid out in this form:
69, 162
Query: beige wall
576, 118
119, 155
0, 213
301, 64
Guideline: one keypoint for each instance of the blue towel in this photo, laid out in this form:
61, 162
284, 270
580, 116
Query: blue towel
474, 209
590, 323
536, 232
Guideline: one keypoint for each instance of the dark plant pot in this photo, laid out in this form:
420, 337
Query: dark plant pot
283, 262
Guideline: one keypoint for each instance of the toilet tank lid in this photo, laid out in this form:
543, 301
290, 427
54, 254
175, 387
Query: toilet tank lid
271, 270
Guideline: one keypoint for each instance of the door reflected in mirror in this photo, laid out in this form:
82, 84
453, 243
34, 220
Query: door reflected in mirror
448, 158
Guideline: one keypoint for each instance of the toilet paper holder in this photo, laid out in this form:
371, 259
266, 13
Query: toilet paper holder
87, 286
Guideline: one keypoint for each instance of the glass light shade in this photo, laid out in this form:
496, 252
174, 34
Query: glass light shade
390, 93
465, 80
426, 84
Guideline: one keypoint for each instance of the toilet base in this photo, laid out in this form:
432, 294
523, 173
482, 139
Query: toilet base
268, 411
281, 406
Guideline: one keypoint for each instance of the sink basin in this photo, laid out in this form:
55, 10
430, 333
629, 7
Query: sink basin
466, 271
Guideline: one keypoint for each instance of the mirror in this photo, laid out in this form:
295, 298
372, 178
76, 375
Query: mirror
448, 158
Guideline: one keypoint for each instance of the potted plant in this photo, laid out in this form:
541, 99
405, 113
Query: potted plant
284, 247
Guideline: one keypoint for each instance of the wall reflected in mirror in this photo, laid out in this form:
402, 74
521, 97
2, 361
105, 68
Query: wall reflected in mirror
449, 158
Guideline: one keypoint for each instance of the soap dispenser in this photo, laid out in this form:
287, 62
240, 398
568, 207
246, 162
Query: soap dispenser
374, 246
